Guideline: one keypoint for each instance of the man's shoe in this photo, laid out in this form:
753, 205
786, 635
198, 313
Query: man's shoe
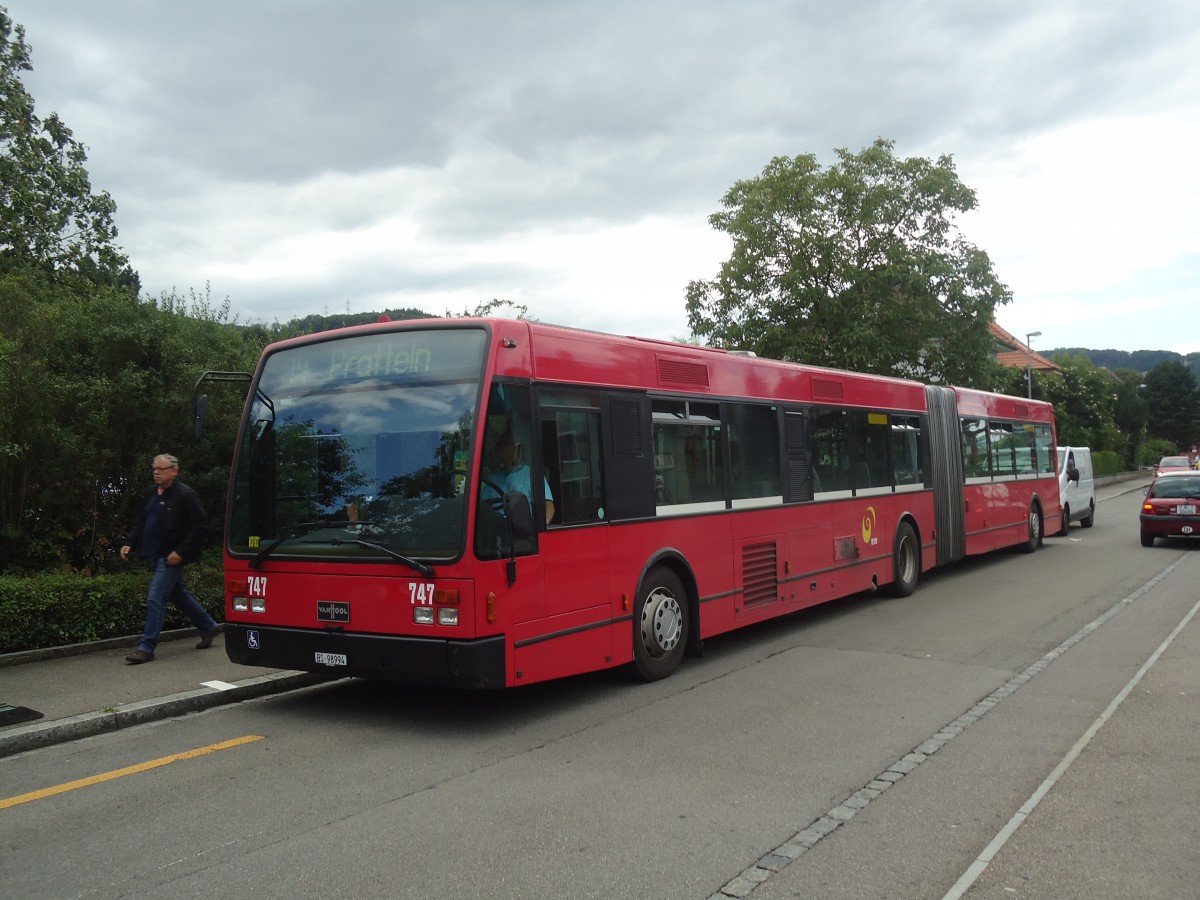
206, 641
137, 657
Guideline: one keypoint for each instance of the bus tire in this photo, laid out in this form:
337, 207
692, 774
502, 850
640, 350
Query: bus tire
906, 561
1066, 518
660, 625
1034, 538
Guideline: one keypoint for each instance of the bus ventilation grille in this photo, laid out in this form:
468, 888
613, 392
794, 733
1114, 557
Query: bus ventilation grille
677, 371
825, 389
760, 578
627, 428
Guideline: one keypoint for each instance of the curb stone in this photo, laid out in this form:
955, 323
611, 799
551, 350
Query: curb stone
44, 734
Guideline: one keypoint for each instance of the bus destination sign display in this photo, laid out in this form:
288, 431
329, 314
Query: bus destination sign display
385, 356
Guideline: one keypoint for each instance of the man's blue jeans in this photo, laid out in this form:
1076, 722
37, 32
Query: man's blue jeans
167, 585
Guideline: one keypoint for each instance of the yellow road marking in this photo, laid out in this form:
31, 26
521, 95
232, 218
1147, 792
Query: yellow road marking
129, 770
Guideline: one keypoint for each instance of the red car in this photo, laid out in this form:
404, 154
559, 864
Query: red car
1172, 463
1172, 506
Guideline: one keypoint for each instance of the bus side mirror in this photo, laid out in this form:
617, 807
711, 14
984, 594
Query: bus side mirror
516, 510
200, 401
199, 411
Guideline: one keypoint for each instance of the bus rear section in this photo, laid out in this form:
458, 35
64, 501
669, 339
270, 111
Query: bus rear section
1009, 471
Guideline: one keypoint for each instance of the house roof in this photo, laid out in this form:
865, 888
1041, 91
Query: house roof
1014, 353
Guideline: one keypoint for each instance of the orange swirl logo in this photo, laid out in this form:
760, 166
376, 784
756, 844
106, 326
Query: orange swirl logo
868, 524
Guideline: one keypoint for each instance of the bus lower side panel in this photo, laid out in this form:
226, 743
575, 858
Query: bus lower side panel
469, 664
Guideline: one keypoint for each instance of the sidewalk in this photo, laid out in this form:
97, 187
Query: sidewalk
89, 689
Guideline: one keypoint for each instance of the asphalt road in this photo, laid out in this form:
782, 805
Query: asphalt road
1022, 726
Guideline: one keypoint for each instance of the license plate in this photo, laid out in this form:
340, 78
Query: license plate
331, 659
1187, 509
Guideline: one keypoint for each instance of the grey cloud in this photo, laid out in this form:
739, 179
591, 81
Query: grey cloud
553, 116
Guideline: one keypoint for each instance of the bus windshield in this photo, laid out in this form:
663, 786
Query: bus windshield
358, 448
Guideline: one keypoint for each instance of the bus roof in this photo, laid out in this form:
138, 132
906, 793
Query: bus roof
557, 353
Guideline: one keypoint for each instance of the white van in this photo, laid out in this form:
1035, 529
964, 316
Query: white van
1076, 487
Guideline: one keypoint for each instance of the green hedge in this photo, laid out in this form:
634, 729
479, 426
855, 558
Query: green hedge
59, 609
1106, 462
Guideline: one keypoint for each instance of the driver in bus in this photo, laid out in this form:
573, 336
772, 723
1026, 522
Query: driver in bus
513, 475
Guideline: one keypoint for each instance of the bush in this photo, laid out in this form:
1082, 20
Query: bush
57, 609
1155, 449
1106, 462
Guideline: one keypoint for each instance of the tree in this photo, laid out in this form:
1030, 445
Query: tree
1132, 414
1084, 399
93, 383
1174, 404
49, 215
858, 266
494, 307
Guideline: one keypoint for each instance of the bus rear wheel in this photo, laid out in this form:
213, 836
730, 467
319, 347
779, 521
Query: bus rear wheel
660, 623
906, 561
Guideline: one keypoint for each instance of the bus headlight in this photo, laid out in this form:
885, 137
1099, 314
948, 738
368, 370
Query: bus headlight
447, 615
258, 604
240, 604
423, 615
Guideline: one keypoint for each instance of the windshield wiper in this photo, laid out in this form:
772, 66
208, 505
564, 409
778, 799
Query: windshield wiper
425, 570
302, 528
307, 527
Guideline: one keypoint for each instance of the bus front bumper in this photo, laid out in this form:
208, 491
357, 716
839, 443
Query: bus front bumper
468, 664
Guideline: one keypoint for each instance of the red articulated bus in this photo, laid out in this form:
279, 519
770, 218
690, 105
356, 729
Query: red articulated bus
492, 502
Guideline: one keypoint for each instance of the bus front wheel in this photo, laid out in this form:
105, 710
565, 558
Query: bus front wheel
1034, 538
660, 622
906, 561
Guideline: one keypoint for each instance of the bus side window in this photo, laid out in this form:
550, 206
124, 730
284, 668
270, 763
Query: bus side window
754, 451
906, 438
550, 455
831, 448
507, 466
574, 460
975, 448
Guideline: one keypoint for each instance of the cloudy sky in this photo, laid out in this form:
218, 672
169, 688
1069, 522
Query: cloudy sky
305, 157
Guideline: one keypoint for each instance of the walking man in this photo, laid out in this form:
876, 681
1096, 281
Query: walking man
167, 533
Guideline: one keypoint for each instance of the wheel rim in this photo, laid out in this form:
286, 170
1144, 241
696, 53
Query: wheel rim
1035, 526
662, 623
908, 560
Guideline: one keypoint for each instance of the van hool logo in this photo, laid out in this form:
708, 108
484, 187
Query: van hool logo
868, 526
333, 611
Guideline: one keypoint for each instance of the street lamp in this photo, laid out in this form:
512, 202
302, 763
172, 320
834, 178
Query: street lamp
1029, 361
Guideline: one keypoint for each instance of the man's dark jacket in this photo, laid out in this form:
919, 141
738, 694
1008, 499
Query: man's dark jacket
183, 521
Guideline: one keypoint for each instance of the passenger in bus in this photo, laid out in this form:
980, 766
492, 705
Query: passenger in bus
511, 473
